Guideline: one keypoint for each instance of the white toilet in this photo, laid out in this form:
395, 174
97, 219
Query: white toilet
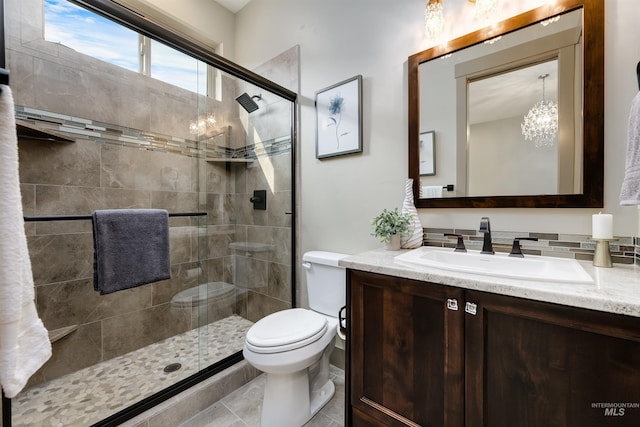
293, 346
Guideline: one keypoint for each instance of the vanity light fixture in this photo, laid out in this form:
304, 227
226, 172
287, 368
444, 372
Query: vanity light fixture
541, 122
200, 126
433, 19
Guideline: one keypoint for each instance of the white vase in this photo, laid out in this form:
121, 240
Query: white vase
393, 243
414, 238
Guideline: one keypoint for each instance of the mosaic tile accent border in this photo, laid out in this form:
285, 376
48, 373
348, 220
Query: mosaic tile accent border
214, 147
625, 250
268, 148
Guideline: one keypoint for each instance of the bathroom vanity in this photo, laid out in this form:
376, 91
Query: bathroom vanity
428, 347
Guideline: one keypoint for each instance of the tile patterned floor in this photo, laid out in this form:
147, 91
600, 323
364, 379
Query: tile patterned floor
242, 407
94, 393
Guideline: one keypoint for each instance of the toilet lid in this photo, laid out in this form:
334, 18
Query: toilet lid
286, 330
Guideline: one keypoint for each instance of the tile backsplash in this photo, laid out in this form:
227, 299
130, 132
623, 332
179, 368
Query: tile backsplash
625, 250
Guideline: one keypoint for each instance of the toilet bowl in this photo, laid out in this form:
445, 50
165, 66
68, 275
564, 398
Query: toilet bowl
293, 346
297, 366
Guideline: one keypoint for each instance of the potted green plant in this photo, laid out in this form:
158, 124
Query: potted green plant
389, 226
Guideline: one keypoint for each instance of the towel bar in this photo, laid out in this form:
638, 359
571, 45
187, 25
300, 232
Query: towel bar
85, 217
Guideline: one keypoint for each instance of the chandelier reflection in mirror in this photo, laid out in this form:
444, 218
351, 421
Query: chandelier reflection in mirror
541, 122
433, 19
200, 126
485, 10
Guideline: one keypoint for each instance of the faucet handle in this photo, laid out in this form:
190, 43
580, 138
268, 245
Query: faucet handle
485, 226
459, 244
516, 250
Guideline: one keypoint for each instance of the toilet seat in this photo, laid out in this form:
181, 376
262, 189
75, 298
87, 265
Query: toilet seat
286, 330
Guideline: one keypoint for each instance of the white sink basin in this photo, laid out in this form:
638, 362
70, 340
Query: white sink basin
546, 269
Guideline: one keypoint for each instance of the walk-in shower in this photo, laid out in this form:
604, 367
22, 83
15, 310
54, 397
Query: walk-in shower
166, 138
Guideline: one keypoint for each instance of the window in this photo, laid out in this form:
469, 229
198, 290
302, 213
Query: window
93, 35
173, 67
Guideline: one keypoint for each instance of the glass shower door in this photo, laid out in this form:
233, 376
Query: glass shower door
132, 140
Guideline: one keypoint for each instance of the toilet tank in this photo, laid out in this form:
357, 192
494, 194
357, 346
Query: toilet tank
326, 281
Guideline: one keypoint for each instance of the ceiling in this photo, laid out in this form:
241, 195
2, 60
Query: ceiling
233, 5
512, 93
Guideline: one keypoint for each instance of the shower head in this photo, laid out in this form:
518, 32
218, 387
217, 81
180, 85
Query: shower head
247, 102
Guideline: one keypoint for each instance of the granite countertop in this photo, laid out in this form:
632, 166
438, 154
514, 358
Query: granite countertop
615, 290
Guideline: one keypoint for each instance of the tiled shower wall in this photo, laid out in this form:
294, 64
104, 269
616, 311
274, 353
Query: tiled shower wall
96, 173
266, 272
62, 252
263, 265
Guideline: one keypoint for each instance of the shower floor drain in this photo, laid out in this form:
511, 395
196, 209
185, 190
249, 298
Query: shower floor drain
172, 367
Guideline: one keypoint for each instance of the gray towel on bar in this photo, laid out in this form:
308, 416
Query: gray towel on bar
131, 248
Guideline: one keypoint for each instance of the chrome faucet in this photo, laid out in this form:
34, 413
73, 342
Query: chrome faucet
485, 227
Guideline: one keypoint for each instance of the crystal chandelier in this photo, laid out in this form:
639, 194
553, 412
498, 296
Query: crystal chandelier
200, 126
433, 19
541, 122
485, 10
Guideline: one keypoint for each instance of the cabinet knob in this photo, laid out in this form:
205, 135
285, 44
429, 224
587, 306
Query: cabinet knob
471, 308
452, 304
342, 319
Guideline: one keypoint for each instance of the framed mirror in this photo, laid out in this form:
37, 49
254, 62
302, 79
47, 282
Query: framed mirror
512, 115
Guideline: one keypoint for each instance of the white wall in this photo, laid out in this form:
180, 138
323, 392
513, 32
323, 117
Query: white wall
339, 39
525, 169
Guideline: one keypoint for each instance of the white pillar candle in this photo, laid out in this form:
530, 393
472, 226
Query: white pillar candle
602, 226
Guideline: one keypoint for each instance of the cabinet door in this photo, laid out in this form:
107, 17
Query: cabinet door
532, 364
406, 353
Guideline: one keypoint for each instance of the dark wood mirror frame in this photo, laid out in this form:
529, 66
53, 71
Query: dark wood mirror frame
593, 110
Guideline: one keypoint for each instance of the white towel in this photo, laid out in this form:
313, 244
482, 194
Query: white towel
630, 192
24, 341
431, 191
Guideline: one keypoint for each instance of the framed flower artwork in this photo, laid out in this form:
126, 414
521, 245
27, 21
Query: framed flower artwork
339, 119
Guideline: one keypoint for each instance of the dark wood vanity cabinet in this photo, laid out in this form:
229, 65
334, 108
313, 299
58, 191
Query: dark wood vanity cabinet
405, 352
414, 360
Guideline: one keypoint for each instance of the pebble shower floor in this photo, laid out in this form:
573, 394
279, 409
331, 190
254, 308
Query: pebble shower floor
94, 393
